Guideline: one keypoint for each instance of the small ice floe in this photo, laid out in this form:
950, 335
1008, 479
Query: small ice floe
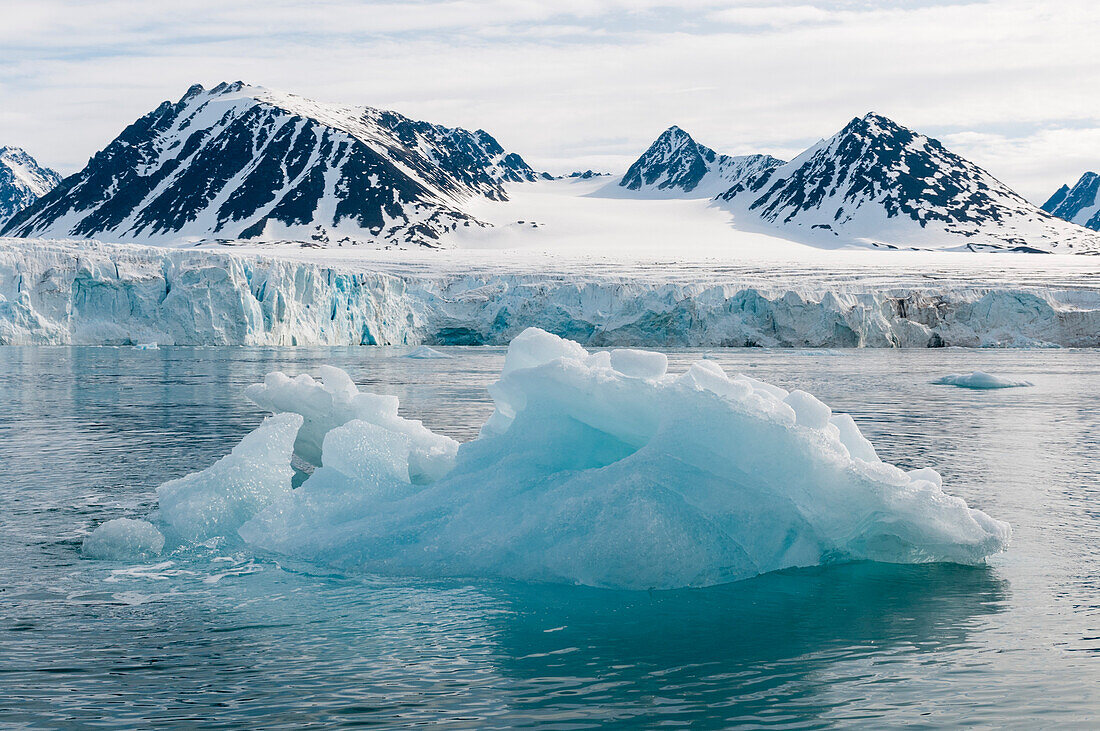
979, 379
123, 539
423, 352
146, 346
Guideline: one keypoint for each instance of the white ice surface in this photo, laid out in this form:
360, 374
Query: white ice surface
334, 401
588, 475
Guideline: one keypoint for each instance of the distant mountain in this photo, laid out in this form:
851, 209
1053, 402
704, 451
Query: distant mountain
879, 183
243, 162
1079, 204
676, 163
586, 175
22, 181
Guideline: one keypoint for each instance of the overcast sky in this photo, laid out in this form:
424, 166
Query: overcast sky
572, 84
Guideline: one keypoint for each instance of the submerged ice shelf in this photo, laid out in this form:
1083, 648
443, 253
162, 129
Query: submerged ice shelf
88, 293
598, 468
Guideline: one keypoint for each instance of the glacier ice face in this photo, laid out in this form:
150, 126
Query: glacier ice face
89, 293
219, 499
979, 380
584, 474
124, 539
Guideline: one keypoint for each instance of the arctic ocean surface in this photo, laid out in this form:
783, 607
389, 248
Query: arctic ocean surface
86, 435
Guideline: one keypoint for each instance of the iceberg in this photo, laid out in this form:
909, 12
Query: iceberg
979, 380
600, 469
124, 539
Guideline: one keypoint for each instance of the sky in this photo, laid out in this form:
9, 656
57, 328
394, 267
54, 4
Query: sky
578, 84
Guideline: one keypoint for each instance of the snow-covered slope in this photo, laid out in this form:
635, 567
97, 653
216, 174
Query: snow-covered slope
22, 181
677, 164
243, 162
1079, 204
879, 183
89, 293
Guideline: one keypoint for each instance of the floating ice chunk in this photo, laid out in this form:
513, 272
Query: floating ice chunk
857, 445
123, 539
639, 363
707, 376
808, 411
764, 388
534, 347
367, 452
146, 346
335, 401
979, 379
587, 475
927, 474
423, 352
602, 359
364, 466
218, 500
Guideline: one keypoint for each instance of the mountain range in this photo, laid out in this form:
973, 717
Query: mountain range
22, 181
676, 164
879, 183
243, 163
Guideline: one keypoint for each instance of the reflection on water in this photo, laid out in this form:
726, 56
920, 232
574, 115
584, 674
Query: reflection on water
216, 633
764, 650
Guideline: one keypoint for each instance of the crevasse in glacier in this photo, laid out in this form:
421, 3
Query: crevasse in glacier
595, 468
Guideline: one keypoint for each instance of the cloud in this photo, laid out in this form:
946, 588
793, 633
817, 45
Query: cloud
578, 84
772, 16
1046, 158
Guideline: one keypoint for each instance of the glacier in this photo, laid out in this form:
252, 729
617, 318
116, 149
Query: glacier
595, 468
89, 293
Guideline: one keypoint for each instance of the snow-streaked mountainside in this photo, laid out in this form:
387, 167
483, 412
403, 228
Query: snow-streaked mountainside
878, 183
243, 162
677, 164
56, 292
22, 181
1079, 204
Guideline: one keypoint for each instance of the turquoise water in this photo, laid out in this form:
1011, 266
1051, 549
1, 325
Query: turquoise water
222, 638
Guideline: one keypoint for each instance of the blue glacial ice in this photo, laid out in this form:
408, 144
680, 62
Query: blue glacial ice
595, 468
221, 498
979, 380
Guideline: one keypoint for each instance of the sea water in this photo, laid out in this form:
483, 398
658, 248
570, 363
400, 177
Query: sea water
224, 637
